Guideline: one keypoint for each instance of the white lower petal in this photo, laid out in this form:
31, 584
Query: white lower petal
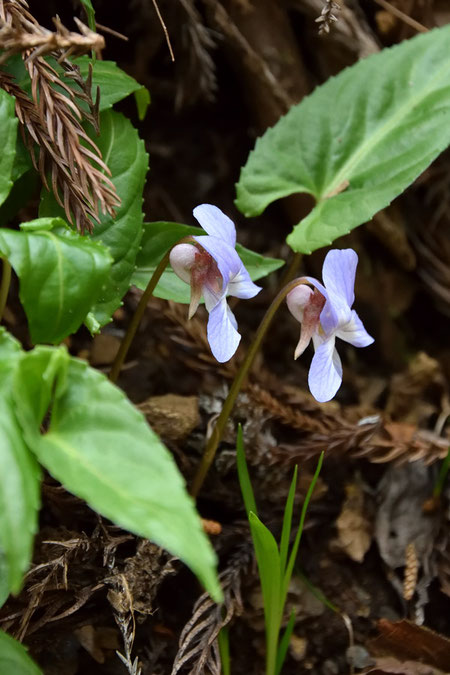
223, 337
325, 373
354, 332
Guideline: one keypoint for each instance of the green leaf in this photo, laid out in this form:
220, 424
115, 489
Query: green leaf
4, 580
8, 136
142, 98
287, 523
102, 449
124, 153
60, 273
224, 649
244, 476
268, 559
114, 83
19, 479
14, 659
284, 643
357, 142
158, 237
298, 536
90, 13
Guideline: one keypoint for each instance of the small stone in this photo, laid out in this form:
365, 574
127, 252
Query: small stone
358, 657
297, 647
171, 416
329, 667
104, 349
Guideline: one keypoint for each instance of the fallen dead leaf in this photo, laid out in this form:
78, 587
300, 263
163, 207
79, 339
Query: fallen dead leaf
353, 526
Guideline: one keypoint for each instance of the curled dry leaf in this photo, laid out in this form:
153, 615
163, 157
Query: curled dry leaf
353, 525
405, 641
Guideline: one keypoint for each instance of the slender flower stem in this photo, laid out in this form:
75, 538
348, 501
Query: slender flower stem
139, 313
217, 433
4, 286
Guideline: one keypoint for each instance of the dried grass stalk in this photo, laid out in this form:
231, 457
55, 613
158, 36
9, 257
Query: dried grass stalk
52, 119
198, 646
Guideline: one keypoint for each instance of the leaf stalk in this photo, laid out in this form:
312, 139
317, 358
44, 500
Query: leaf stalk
140, 309
217, 433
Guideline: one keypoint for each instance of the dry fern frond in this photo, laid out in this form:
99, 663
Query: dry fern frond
198, 640
53, 119
26, 35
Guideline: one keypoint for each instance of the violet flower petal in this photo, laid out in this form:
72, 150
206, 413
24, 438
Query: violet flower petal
223, 337
241, 286
338, 273
216, 223
354, 332
325, 373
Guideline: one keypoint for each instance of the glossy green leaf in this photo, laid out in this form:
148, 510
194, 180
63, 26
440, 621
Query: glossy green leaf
357, 142
102, 449
158, 237
19, 479
60, 274
124, 153
114, 83
8, 136
14, 659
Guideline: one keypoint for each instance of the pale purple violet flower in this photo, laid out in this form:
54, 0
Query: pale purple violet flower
214, 270
326, 313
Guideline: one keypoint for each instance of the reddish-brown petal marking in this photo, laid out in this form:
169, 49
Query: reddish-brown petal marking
204, 272
311, 321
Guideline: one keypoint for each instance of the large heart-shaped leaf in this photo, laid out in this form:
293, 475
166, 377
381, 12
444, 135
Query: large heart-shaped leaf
124, 153
60, 275
357, 142
159, 237
19, 480
102, 449
14, 659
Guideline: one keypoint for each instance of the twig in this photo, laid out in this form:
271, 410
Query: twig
401, 15
164, 27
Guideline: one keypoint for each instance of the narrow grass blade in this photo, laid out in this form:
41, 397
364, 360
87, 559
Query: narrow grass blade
316, 591
284, 643
287, 523
268, 559
244, 477
442, 476
224, 649
294, 551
